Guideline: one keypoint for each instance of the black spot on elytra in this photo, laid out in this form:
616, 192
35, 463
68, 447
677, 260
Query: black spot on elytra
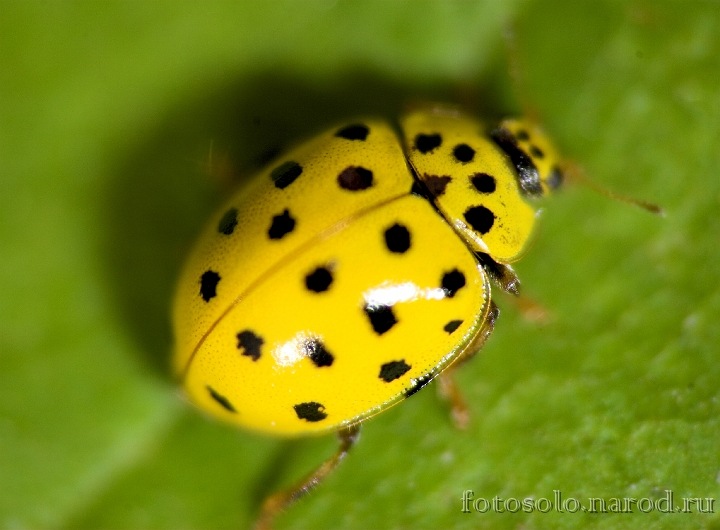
355, 178
522, 135
436, 184
480, 218
319, 280
393, 370
208, 285
536, 152
463, 153
397, 239
220, 399
311, 411
483, 182
356, 131
250, 344
417, 384
452, 326
315, 350
381, 318
228, 222
281, 225
527, 174
452, 282
285, 174
427, 142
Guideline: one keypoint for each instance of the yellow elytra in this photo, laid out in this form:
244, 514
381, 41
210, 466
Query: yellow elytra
355, 269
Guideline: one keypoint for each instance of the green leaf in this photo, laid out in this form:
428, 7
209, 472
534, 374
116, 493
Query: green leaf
108, 113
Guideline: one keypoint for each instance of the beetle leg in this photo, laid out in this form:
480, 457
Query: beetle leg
279, 501
447, 386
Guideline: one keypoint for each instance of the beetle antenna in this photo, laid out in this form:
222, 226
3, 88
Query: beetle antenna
573, 172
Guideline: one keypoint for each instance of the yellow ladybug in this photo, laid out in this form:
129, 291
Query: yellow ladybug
355, 269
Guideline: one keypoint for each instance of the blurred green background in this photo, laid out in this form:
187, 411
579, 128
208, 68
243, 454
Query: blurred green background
108, 111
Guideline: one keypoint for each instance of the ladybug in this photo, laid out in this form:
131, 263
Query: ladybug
354, 270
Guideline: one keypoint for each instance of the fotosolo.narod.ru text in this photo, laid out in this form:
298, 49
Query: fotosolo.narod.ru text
664, 504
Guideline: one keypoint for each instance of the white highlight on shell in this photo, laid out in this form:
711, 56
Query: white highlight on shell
294, 350
389, 294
